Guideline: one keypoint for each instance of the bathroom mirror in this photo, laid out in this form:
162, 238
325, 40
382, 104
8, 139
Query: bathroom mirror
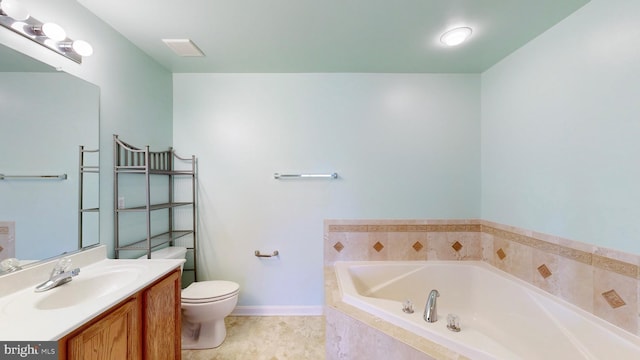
46, 116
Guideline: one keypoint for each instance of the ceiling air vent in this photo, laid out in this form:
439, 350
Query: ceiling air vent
183, 47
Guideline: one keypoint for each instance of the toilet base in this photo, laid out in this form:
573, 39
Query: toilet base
203, 324
203, 336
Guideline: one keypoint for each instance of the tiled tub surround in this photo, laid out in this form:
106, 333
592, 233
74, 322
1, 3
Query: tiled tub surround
502, 317
601, 281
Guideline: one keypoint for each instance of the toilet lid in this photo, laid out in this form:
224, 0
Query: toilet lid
209, 290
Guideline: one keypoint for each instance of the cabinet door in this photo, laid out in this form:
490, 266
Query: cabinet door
115, 336
161, 307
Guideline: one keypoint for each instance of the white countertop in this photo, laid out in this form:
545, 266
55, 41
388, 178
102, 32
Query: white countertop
29, 316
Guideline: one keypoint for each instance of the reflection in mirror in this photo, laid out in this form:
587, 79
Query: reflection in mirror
46, 116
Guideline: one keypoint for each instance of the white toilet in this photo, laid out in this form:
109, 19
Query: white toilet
205, 304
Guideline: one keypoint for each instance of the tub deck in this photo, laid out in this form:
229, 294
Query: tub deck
501, 316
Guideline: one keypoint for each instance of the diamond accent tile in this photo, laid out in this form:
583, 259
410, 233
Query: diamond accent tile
544, 271
338, 246
501, 254
456, 246
417, 246
614, 300
378, 246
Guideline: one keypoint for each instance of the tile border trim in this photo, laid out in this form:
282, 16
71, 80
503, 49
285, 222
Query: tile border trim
407, 228
598, 261
616, 266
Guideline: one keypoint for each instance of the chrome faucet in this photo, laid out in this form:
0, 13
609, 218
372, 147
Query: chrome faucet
61, 274
431, 309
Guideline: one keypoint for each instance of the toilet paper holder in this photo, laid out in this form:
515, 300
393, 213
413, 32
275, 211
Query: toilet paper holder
258, 254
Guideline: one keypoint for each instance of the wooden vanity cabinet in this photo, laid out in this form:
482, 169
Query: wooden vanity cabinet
144, 326
161, 326
115, 336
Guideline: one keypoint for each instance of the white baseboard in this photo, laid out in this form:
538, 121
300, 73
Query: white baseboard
278, 311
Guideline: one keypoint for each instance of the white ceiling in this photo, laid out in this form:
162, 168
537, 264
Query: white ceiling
331, 35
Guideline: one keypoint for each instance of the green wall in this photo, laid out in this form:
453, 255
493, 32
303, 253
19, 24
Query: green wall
560, 130
404, 146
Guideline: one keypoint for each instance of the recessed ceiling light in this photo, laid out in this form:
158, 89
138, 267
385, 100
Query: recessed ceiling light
183, 47
455, 36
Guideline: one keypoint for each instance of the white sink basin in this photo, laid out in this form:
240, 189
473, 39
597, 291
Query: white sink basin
101, 284
88, 287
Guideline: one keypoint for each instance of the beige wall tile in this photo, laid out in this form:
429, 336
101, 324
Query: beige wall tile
401, 246
347, 338
472, 243
355, 247
440, 246
330, 239
518, 260
383, 239
422, 238
550, 261
488, 251
575, 283
625, 316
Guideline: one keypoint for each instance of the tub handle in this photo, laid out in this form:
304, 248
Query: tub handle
258, 254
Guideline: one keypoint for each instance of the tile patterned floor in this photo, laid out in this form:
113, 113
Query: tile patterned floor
268, 338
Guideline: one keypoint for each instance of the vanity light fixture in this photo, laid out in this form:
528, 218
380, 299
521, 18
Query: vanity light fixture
456, 36
13, 9
17, 19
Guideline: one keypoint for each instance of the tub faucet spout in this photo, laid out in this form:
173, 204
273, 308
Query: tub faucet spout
431, 309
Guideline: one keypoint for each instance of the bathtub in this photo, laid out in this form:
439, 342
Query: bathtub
501, 317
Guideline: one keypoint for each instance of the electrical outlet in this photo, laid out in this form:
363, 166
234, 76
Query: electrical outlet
120, 202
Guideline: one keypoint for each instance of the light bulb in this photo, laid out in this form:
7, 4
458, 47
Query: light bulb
82, 47
19, 26
455, 36
50, 43
13, 9
54, 31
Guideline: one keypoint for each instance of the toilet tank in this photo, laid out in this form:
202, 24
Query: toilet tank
169, 252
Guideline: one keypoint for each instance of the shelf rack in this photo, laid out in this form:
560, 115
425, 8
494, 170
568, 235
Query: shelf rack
129, 159
85, 168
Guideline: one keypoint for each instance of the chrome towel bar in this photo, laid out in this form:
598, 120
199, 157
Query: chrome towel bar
258, 254
33, 177
298, 176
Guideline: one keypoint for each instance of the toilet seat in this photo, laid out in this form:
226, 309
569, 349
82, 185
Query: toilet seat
209, 291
